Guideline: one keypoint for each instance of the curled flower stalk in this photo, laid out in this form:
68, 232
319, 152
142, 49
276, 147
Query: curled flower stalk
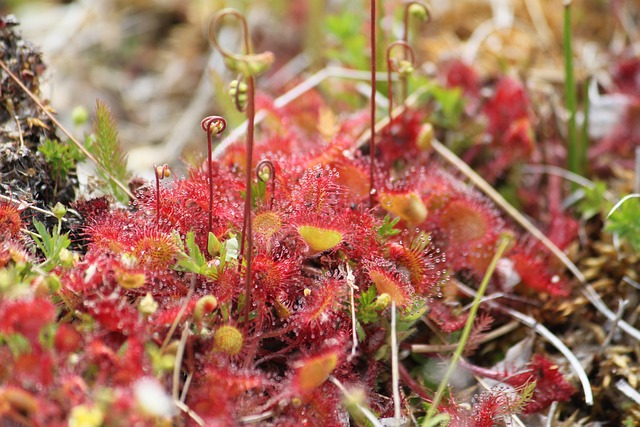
403, 67
161, 173
265, 171
419, 10
248, 65
212, 125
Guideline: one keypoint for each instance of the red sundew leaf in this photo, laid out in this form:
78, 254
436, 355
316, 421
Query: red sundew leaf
318, 194
166, 315
319, 408
508, 104
26, 317
492, 404
458, 73
626, 75
10, 220
407, 205
322, 307
131, 363
114, 314
67, 339
534, 273
550, 384
92, 209
467, 227
420, 261
399, 141
272, 278
444, 317
312, 371
34, 369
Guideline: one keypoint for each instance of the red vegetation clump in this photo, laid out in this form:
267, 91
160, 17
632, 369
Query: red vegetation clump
164, 289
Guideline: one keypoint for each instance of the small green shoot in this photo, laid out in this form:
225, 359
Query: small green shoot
449, 106
108, 151
623, 220
195, 262
594, 201
61, 158
344, 30
387, 229
53, 245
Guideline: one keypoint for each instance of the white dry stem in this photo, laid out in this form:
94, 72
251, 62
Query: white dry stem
587, 290
546, 333
552, 412
614, 325
621, 201
174, 325
351, 282
185, 388
395, 381
365, 411
23, 205
534, 8
253, 419
178, 361
568, 175
195, 417
628, 391
439, 348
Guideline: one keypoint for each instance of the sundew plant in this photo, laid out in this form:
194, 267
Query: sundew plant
328, 263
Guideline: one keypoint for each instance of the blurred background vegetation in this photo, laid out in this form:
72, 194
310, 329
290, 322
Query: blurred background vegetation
151, 61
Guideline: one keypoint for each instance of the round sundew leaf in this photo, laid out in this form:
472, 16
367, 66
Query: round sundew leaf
385, 284
314, 371
267, 224
408, 206
465, 222
319, 239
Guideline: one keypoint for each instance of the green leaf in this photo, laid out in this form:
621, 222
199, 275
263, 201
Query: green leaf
624, 220
213, 245
61, 158
109, 152
387, 229
51, 244
450, 105
594, 201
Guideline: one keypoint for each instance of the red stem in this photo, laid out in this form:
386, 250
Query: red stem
372, 26
247, 234
209, 125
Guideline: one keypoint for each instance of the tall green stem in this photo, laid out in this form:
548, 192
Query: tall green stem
575, 146
505, 241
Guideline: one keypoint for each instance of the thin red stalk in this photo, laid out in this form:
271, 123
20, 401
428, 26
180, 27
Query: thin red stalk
210, 177
161, 172
211, 124
372, 27
247, 234
408, 380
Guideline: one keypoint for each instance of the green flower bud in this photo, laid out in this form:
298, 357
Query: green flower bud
59, 210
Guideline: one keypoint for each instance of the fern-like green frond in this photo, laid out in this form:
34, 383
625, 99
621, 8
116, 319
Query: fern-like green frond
108, 151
